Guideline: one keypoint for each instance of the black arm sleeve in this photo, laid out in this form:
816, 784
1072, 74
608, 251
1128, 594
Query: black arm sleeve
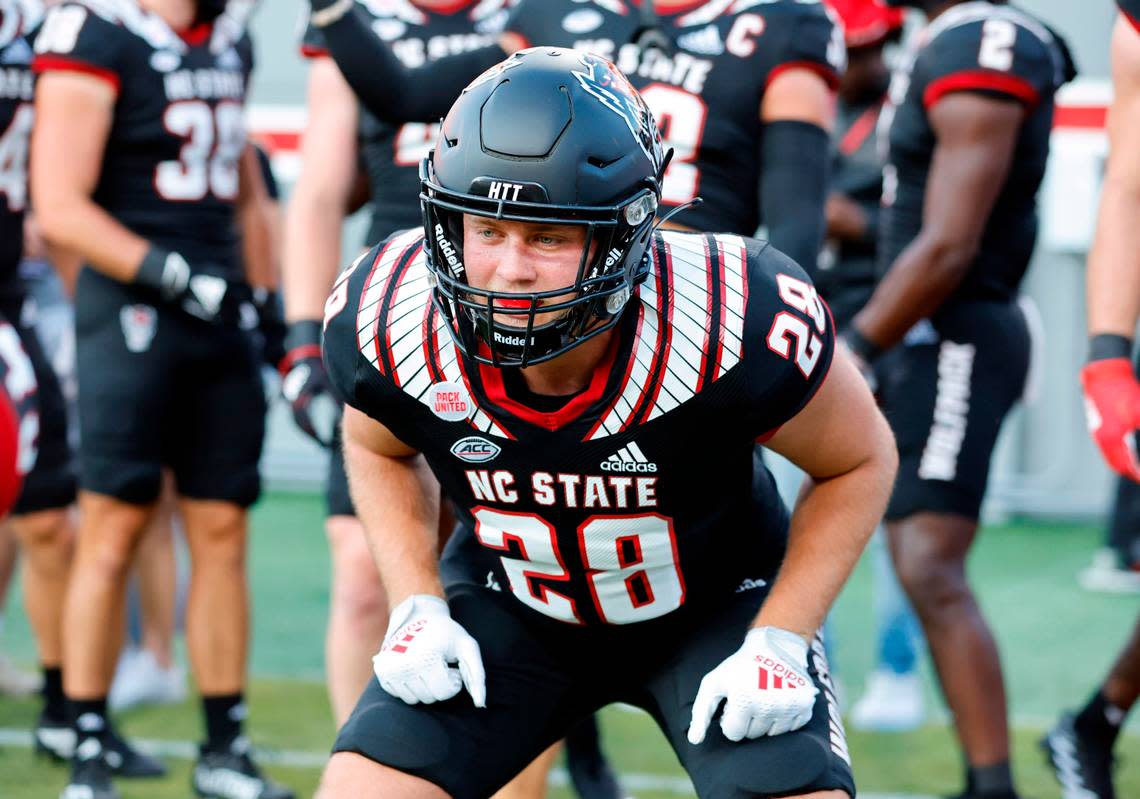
392, 91
794, 178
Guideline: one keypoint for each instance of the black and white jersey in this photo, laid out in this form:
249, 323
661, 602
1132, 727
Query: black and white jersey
170, 168
16, 114
391, 154
1000, 52
706, 96
1131, 10
634, 497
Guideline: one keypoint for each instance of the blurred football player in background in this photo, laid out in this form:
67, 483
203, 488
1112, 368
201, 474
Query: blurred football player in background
1080, 746
150, 199
894, 697
968, 125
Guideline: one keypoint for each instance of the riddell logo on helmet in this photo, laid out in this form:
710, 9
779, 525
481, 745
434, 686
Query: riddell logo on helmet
613, 257
448, 249
511, 341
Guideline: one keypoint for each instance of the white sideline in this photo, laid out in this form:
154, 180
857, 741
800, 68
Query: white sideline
186, 750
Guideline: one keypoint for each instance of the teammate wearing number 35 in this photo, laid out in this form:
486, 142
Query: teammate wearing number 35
587, 389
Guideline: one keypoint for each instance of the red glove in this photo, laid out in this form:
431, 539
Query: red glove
1112, 404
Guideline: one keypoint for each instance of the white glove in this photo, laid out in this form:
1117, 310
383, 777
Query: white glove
422, 640
765, 685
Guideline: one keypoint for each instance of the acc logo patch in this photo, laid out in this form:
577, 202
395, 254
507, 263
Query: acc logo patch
449, 401
139, 323
475, 449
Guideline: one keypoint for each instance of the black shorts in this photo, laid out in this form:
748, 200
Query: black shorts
338, 502
159, 388
544, 676
946, 391
50, 484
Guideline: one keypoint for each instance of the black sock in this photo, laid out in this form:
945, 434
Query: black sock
89, 717
995, 780
53, 693
1100, 720
224, 718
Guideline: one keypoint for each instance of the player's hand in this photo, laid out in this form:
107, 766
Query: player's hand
305, 383
422, 642
1112, 406
270, 326
765, 687
198, 291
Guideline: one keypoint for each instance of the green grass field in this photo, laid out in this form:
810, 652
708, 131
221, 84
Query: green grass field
1025, 571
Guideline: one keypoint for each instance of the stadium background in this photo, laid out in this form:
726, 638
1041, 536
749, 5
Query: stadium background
1047, 502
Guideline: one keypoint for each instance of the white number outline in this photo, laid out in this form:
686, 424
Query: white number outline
787, 328
612, 607
14, 158
213, 141
413, 142
681, 117
996, 50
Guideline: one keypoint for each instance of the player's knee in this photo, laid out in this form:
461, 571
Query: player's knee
217, 531
352, 776
45, 530
933, 583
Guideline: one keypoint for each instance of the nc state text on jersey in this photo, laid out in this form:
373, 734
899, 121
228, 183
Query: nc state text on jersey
680, 69
204, 84
566, 490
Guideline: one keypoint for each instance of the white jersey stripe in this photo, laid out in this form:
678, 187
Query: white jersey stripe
372, 298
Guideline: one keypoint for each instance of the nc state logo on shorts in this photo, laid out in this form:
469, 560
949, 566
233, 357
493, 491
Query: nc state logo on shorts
139, 324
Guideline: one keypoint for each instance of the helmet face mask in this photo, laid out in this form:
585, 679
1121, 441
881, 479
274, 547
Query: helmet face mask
586, 167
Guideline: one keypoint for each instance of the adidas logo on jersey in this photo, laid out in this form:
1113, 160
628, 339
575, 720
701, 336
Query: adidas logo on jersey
629, 458
705, 41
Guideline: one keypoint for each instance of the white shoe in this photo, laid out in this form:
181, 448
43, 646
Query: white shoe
1106, 574
139, 680
893, 703
15, 682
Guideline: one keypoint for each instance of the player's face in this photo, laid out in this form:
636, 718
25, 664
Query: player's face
522, 258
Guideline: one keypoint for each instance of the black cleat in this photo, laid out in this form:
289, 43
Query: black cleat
126, 761
53, 738
590, 772
1083, 768
90, 774
231, 774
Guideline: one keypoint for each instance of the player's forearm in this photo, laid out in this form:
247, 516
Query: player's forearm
80, 226
311, 255
831, 525
389, 89
397, 501
793, 188
920, 280
1114, 262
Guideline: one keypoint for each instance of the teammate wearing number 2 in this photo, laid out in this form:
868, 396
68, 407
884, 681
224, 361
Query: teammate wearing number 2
968, 126
588, 390
149, 196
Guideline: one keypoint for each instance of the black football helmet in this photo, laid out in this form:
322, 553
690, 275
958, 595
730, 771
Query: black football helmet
554, 136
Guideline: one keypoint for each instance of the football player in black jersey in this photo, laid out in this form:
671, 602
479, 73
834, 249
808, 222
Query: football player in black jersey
167, 375
588, 390
742, 95
339, 137
40, 518
1080, 746
968, 127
